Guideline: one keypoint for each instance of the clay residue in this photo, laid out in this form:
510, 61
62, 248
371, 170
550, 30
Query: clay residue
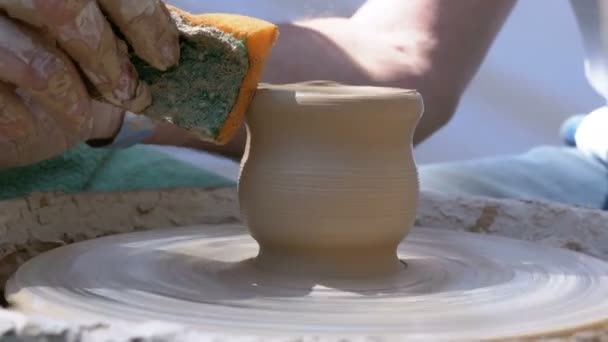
485, 220
200, 93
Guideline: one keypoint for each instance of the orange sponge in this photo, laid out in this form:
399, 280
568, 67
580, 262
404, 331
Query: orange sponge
223, 58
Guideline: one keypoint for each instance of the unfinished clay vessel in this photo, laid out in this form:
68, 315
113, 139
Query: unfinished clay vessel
329, 183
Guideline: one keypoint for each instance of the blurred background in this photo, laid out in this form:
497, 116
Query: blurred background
532, 79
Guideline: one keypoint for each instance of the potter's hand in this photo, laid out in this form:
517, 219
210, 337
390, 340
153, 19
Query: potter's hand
52, 51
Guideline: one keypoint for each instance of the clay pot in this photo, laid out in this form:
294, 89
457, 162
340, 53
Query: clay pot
329, 184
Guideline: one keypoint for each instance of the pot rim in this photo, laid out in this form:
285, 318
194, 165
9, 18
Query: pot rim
329, 90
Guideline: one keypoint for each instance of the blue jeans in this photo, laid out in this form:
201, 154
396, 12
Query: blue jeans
557, 174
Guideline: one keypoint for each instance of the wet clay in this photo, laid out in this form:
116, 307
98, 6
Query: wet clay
58, 55
328, 182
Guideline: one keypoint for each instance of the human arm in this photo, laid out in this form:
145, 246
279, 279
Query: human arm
460, 34
434, 46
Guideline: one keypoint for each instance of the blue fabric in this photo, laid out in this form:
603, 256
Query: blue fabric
568, 129
558, 174
85, 169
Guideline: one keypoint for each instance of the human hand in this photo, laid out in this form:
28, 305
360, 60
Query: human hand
58, 57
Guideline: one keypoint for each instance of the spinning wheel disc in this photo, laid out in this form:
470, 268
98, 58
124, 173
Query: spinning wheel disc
455, 285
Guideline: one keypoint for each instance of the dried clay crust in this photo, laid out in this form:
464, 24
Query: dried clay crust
40, 222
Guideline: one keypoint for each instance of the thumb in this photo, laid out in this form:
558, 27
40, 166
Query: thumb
107, 120
116, 128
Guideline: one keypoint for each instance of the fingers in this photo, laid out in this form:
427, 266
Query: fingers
47, 75
27, 134
148, 27
82, 31
16, 124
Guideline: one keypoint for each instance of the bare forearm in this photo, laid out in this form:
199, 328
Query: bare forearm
434, 46
462, 32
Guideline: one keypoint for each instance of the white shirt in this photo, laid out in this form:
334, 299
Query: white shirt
592, 16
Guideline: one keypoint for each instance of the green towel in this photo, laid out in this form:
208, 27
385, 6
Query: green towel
86, 169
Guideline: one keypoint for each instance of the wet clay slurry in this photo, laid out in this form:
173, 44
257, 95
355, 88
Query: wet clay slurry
329, 192
457, 287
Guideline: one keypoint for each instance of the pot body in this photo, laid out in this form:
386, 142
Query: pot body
329, 170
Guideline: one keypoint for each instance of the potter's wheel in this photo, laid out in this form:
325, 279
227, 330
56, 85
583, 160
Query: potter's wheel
455, 285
